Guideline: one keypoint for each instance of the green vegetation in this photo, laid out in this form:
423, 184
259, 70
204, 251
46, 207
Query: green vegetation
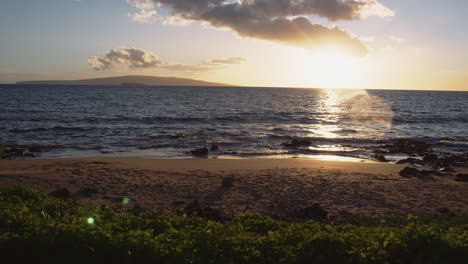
36, 227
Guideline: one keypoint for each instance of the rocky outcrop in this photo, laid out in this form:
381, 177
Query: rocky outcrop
201, 152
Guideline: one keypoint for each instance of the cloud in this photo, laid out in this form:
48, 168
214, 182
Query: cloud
209, 65
231, 60
99, 63
145, 16
188, 67
142, 4
283, 21
132, 57
136, 58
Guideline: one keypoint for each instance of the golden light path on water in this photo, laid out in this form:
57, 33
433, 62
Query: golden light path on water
338, 109
356, 107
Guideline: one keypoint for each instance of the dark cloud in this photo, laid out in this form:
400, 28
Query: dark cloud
140, 59
280, 20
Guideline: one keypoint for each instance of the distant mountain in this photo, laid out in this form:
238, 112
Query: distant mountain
132, 80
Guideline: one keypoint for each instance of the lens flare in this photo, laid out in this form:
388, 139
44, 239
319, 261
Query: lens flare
360, 107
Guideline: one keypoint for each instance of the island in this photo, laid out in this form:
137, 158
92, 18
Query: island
130, 80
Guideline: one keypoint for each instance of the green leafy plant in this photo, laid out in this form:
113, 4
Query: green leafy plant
36, 227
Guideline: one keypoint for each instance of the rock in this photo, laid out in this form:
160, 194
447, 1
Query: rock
60, 193
408, 146
451, 160
461, 177
412, 172
314, 212
411, 161
214, 148
298, 143
228, 182
35, 149
430, 157
380, 158
409, 172
201, 152
446, 169
13, 152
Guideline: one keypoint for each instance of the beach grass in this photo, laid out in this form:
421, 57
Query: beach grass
37, 227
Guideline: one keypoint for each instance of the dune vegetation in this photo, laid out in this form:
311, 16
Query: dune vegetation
37, 227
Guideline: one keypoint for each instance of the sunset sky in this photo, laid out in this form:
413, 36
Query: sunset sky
385, 44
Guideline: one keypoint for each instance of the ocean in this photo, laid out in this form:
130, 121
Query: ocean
56, 121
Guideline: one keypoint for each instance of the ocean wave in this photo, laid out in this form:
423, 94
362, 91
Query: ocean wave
40, 129
429, 120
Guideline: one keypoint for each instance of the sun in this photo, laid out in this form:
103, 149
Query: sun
329, 70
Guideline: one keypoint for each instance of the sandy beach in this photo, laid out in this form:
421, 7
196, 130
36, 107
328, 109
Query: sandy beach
272, 187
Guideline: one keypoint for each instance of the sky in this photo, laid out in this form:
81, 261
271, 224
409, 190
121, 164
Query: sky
365, 44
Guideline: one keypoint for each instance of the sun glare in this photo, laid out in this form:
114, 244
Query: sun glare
329, 70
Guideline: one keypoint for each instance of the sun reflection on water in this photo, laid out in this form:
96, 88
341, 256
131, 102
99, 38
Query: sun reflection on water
354, 107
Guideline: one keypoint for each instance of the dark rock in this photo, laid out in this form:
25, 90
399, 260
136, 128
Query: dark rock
380, 158
201, 152
430, 157
214, 147
461, 177
228, 182
446, 169
298, 143
412, 172
314, 212
35, 149
410, 161
60, 193
451, 160
408, 146
409, 172
14, 151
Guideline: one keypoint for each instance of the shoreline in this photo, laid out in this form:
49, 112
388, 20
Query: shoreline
273, 187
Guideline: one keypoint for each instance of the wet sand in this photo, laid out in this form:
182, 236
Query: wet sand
268, 186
